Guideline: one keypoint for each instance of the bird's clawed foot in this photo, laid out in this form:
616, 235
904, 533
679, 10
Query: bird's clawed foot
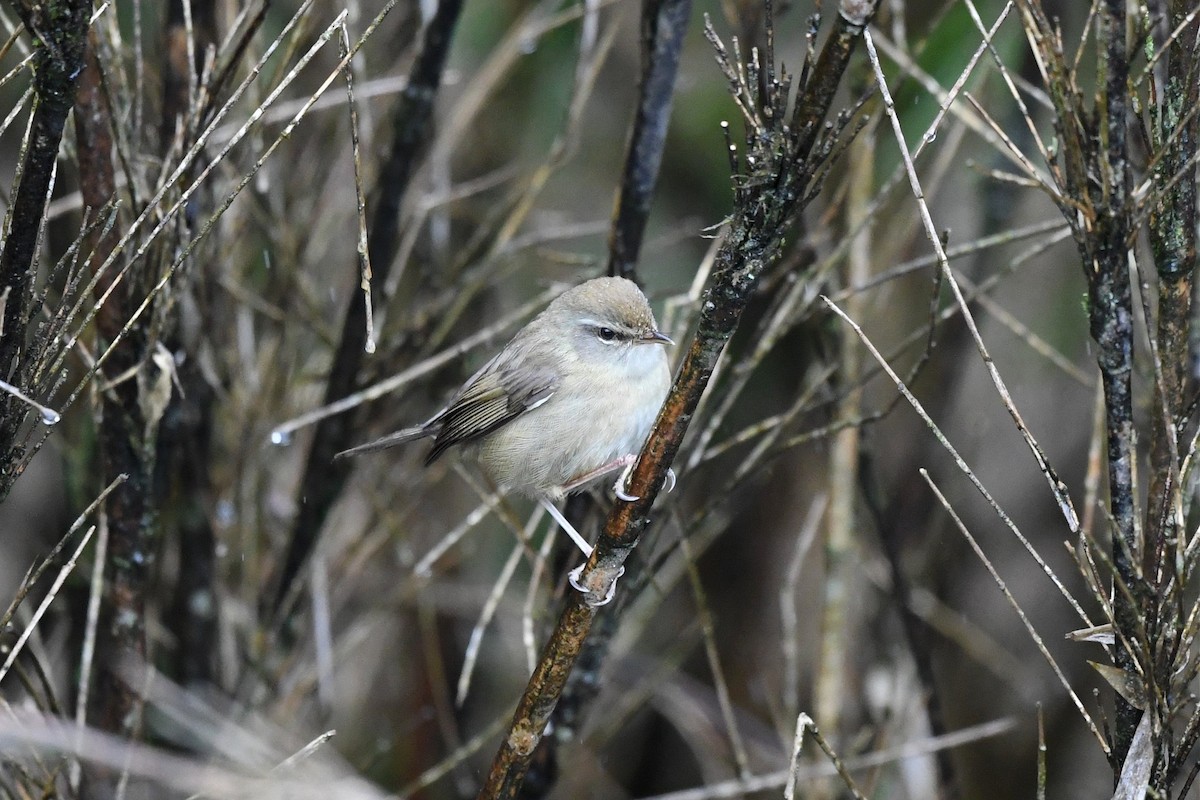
623, 481
574, 578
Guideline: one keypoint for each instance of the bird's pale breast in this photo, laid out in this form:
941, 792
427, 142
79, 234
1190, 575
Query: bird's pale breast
581, 427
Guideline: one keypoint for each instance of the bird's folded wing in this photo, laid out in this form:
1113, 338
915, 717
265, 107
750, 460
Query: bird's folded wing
494, 398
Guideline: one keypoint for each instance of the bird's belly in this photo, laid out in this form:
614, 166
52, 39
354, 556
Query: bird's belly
544, 450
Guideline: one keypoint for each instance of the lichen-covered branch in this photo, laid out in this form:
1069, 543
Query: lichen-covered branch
1111, 315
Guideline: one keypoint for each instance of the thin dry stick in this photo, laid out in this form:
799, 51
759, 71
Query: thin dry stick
713, 656
787, 314
767, 425
439, 688
170, 213
282, 434
156, 208
66, 570
1019, 100
1041, 756
1057, 486
561, 151
424, 567
364, 255
88, 650
435, 773
1032, 340
771, 427
185, 774
531, 594
844, 463
322, 630
805, 723
470, 658
789, 617
35, 573
306, 752
773, 781
1033, 634
961, 463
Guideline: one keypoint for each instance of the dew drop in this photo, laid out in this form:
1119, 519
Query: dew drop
529, 45
50, 417
281, 438
225, 514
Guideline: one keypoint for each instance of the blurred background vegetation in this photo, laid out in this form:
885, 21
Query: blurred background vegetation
802, 565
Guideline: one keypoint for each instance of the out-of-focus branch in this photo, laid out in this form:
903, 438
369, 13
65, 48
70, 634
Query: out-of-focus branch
324, 477
664, 24
185, 437
1175, 136
126, 439
834, 680
780, 165
1172, 234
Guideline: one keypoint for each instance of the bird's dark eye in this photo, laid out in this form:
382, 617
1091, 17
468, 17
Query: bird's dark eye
607, 334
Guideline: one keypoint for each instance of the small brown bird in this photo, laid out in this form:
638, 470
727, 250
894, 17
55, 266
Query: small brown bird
570, 398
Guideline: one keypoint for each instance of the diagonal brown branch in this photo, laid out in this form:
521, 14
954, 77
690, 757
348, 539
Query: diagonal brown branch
782, 162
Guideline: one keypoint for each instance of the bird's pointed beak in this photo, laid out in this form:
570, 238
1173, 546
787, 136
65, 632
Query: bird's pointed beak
655, 337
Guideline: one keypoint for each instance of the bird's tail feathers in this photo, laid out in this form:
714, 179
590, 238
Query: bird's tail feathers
391, 440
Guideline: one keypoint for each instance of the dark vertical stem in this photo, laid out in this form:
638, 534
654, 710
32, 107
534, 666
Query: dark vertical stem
323, 477
59, 28
909, 510
176, 69
184, 437
113, 704
664, 24
1111, 313
126, 447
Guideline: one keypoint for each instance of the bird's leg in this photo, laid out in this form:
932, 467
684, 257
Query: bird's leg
625, 461
567, 527
625, 464
574, 575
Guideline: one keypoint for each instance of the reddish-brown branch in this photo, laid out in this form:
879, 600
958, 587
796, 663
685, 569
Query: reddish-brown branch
764, 209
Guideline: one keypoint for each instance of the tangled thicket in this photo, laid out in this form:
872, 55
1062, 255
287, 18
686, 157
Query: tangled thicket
242, 236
